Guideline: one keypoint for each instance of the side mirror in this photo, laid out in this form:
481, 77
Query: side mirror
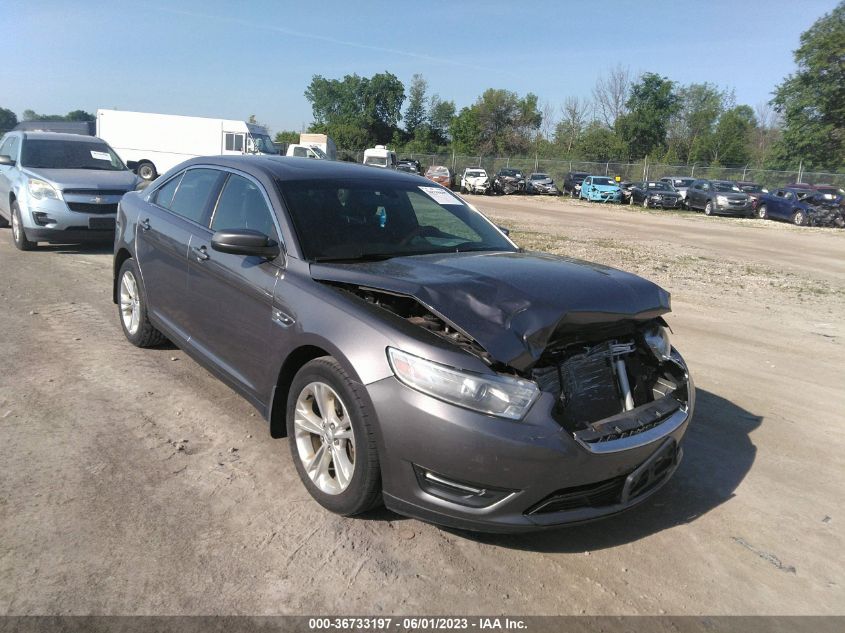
504, 230
6, 161
245, 242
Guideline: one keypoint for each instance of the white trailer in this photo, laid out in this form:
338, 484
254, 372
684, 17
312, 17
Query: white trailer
153, 143
380, 156
313, 146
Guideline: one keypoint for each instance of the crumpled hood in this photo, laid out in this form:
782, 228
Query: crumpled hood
610, 188
512, 304
86, 178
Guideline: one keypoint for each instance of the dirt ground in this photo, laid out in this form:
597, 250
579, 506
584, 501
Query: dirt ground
132, 481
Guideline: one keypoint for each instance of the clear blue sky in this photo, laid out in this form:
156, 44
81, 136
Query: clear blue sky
233, 59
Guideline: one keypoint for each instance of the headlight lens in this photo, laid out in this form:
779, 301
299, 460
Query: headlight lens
722, 199
40, 189
502, 396
657, 339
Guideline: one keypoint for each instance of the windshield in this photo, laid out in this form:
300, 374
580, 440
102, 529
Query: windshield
659, 186
264, 145
64, 154
511, 172
540, 177
725, 186
474, 173
373, 219
437, 171
683, 182
600, 180
380, 161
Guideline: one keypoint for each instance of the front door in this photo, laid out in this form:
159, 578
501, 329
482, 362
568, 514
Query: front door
232, 295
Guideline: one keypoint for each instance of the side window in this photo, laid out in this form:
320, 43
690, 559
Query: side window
164, 196
9, 147
234, 142
300, 151
193, 193
779, 193
705, 186
242, 206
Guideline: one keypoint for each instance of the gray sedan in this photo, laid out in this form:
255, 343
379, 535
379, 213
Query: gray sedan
412, 354
60, 188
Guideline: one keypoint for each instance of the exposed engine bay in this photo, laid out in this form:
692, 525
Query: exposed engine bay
609, 382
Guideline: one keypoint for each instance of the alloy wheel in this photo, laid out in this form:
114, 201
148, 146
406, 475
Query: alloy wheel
324, 437
130, 302
16, 227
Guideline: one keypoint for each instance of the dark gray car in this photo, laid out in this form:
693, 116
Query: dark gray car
409, 350
719, 197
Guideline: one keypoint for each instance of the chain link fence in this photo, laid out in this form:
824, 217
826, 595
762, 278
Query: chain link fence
641, 170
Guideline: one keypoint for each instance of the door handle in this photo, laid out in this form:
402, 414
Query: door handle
144, 224
201, 253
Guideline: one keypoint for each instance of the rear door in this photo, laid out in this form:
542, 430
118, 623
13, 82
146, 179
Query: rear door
175, 211
232, 295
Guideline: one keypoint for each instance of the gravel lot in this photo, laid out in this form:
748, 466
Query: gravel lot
133, 482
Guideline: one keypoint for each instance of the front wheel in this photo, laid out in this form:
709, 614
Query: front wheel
708, 208
332, 440
132, 308
799, 218
18, 234
645, 202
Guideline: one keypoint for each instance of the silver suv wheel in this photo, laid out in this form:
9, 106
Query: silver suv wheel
130, 308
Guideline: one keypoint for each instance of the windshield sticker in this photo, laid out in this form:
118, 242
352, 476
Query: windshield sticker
440, 196
100, 155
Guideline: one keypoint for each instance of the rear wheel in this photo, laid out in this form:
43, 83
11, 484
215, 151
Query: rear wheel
132, 308
18, 234
146, 170
332, 440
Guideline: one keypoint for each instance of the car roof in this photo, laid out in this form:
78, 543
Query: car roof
61, 136
294, 168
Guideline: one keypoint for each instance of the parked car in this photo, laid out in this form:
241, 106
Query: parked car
410, 165
655, 193
439, 174
507, 181
572, 182
681, 184
475, 180
600, 189
541, 183
625, 186
753, 190
829, 189
802, 207
60, 188
405, 328
721, 197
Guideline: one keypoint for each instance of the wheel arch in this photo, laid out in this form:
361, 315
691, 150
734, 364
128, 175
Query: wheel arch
295, 361
119, 258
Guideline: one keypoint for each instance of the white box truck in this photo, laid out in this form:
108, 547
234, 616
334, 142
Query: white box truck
152, 143
313, 146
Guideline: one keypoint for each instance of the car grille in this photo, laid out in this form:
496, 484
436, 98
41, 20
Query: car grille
95, 192
89, 207
597, 495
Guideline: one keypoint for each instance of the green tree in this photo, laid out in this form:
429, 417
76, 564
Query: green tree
730, 143
415, 113
440, 115
356, 109
73, 115
8, 119
652, 103
287, 136
699, 107
812, 100
500, 123
466, 131
599, 143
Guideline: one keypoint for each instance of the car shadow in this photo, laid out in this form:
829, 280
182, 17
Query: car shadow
92, 248
718, 453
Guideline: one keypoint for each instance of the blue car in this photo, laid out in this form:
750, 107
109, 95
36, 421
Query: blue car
802, 207
601, 189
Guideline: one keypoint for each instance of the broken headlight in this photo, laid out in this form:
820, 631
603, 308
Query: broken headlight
657, 339
494, 394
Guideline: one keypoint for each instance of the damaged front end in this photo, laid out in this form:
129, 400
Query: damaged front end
616, 388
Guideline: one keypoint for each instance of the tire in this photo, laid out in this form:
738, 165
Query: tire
18, 234
799, 218
308, 434
132, 304
645, 202
463, 189
708, 208
763, 212
631, 200
146, 171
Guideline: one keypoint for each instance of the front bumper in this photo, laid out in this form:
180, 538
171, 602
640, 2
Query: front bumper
605, 196
516, 476
51, 220
733, 209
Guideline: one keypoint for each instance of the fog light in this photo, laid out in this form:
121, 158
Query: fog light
42, 219
464, 493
